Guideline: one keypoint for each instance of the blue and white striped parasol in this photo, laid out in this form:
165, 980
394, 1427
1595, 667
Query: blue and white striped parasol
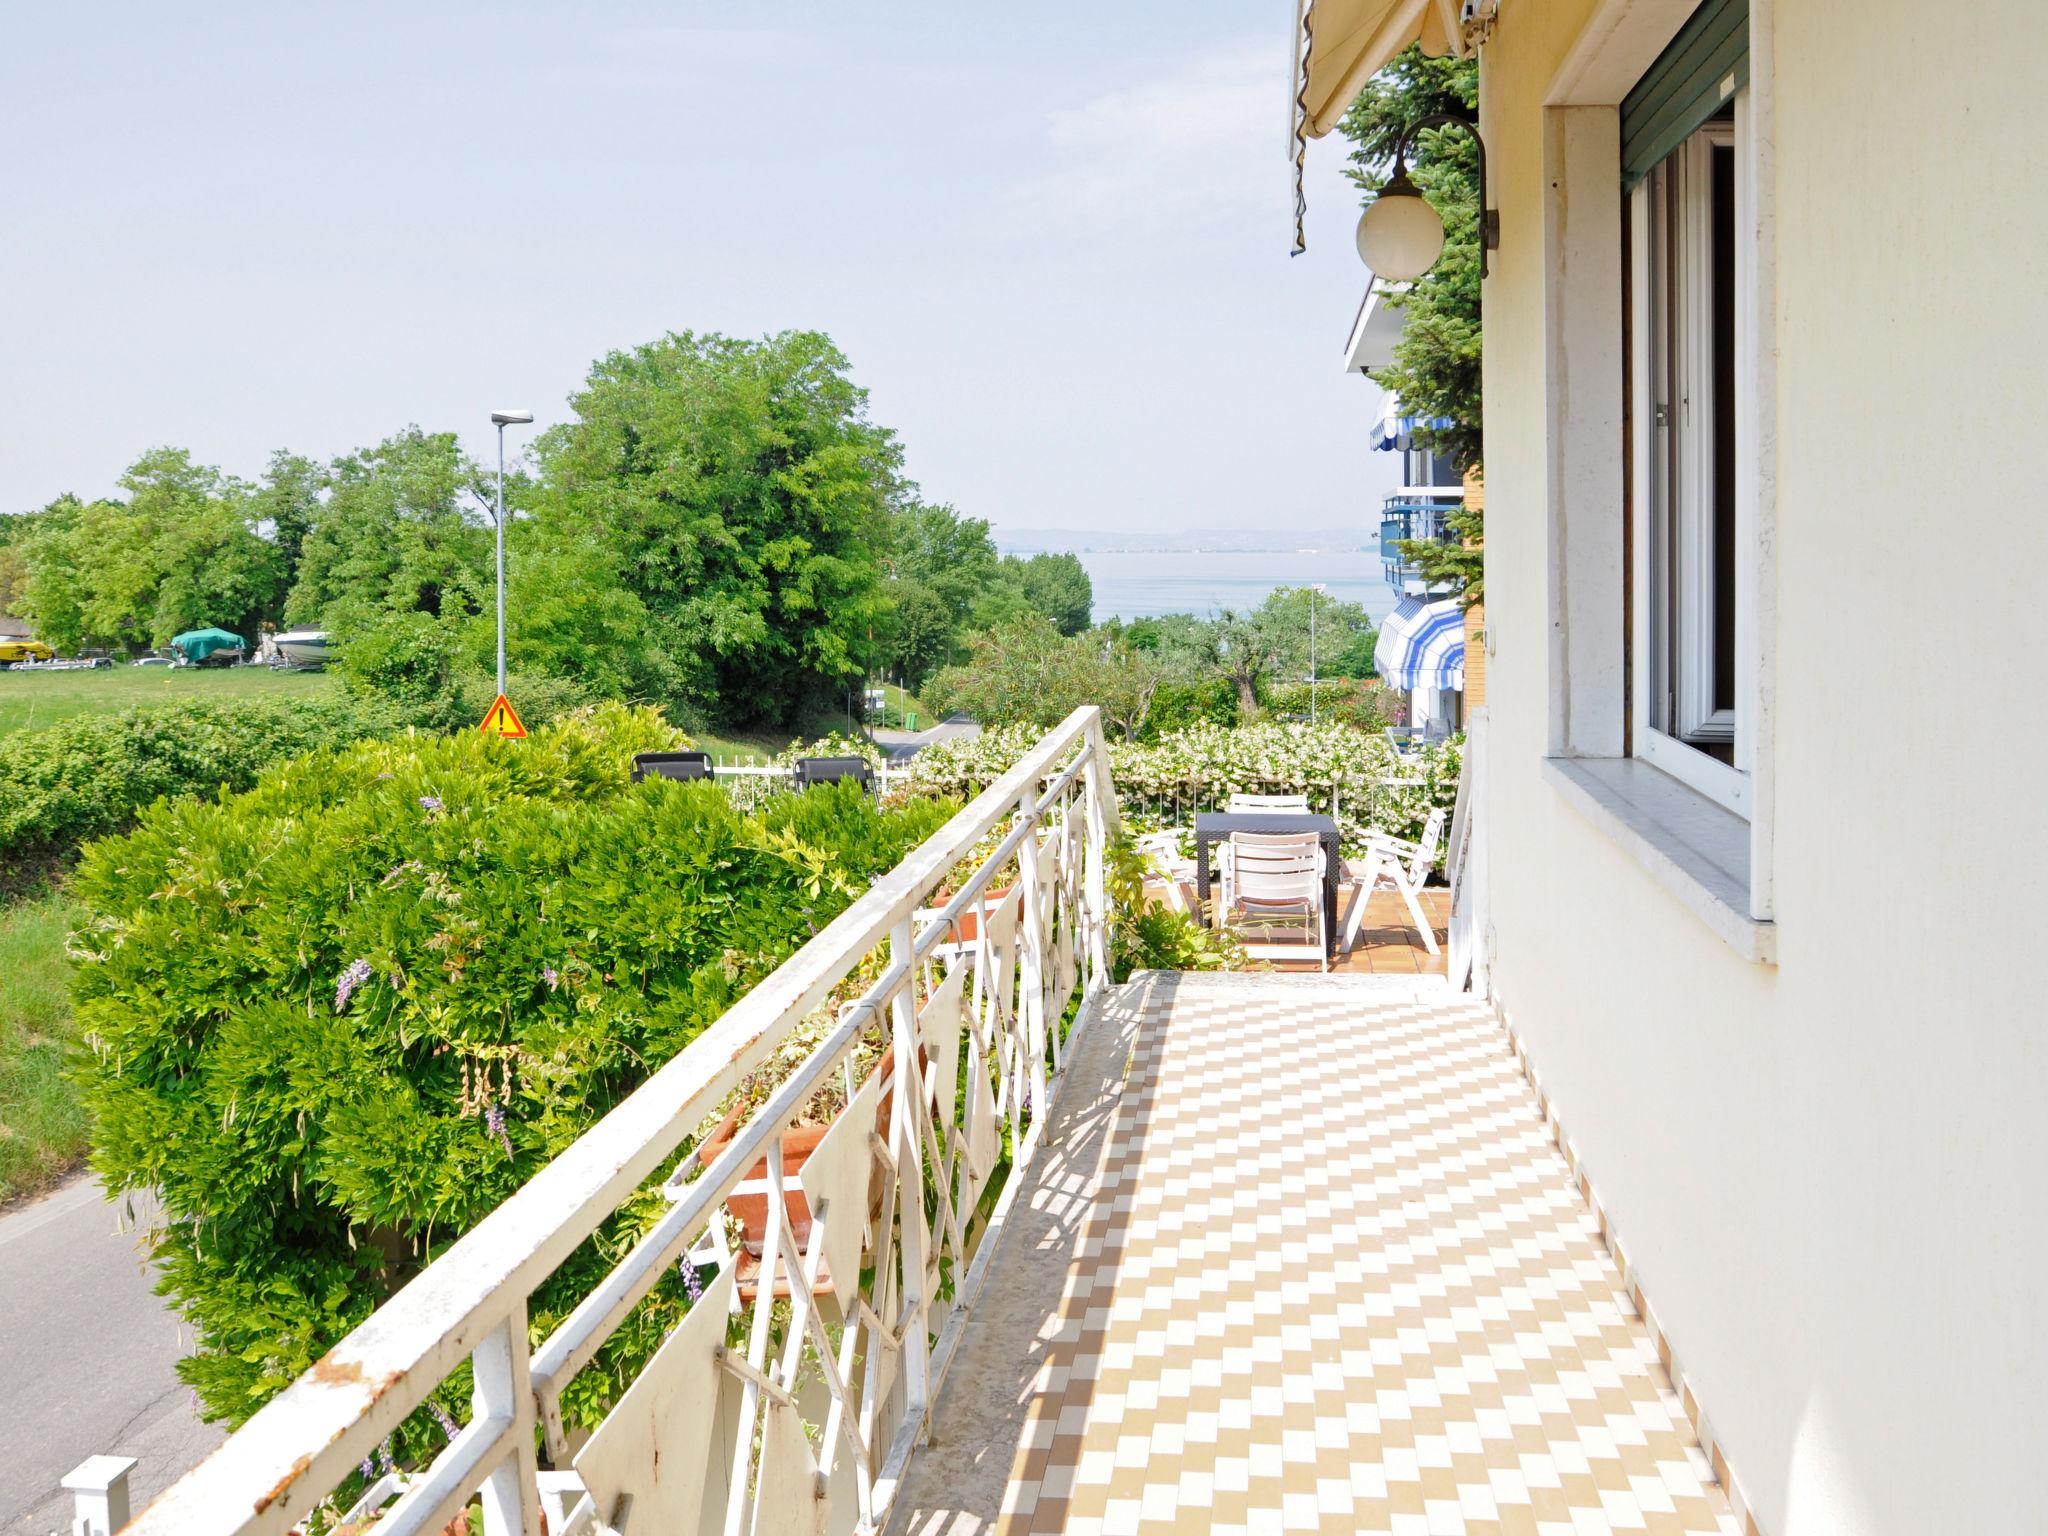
1422, 645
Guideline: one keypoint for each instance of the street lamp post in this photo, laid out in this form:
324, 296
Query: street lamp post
1314, 591
502, 420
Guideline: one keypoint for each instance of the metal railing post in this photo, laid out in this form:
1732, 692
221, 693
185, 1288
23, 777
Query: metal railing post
99, 1492
1096, 873
908, 1149
1031, 958
511, 1493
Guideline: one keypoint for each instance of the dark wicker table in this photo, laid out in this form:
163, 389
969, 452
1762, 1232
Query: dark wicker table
1215, 826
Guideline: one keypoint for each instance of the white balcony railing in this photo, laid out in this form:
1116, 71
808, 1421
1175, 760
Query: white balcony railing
794, 1391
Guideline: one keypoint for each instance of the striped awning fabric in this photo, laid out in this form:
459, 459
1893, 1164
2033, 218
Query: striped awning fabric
1422, 645
1399, 431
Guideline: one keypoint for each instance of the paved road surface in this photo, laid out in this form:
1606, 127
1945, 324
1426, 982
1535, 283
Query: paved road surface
901, 746
87, 1360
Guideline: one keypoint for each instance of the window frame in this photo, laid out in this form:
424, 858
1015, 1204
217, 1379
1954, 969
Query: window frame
1672, 468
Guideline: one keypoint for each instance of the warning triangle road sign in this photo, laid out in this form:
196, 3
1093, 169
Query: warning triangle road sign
501, 719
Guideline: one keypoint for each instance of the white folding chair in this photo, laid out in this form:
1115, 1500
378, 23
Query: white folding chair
1162, 855
1408, 865
1285, 804
1272, 876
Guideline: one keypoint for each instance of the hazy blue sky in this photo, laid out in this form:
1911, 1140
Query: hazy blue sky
1052, 239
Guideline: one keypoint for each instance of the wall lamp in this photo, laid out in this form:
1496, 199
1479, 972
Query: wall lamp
1400, 235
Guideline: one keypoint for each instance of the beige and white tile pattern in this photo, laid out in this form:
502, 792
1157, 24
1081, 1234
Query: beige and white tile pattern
1307, 1259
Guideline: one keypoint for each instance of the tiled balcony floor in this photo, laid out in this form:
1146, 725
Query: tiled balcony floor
1301, 1256
1387, 943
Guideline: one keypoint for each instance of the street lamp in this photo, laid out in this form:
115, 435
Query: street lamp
502, 420
1315, 590
1399, 234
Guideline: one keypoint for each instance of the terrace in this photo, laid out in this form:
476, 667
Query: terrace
1255, 1251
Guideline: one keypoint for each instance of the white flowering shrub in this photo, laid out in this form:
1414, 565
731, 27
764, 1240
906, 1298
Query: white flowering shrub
1346, 772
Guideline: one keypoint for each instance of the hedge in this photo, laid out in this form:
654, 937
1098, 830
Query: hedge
337, 1019
89, 776
1162, 783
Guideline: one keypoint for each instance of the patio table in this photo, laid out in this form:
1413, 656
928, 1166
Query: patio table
1215, 826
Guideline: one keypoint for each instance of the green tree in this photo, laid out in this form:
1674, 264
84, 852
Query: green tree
923, 633
952, 557
1027, 672
1272, 642
1055, 586
396, 535
744, 495
1436, 369
287, 505
178, 553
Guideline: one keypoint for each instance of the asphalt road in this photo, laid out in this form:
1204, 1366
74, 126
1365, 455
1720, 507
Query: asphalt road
88, 1357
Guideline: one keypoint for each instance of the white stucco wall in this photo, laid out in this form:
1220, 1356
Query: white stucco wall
1832, 1175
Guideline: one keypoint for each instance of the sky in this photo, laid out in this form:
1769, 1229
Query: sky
1051, 239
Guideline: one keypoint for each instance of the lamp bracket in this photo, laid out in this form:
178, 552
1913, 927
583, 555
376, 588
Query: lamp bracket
1489, 218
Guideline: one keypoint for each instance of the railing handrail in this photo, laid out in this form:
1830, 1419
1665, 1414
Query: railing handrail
301, 1444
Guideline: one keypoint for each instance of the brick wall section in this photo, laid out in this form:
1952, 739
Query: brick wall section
1475, 616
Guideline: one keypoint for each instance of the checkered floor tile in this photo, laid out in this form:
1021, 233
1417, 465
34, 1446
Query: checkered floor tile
1321, 1269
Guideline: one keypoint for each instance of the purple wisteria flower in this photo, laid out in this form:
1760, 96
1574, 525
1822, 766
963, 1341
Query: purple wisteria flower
357, 973
494, 1125
550, 975
384, 1461
691, 1284
430, 802
443, 1418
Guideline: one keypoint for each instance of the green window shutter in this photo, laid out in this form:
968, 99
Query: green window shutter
1706, 64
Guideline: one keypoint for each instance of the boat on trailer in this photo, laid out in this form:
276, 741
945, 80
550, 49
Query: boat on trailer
300, 649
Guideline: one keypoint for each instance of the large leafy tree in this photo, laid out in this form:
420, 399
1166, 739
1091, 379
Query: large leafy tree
743, 494
1436, 368
1274, 642
1055, 586
285, 507
179, 552
399, 533
1027, 671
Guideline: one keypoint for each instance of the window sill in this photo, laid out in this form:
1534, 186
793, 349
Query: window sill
1695, 849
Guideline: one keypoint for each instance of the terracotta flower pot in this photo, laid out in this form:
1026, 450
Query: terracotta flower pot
750, 1208
969, 926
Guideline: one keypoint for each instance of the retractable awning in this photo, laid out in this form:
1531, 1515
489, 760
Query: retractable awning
1341, 44
1422, 645
1398, 432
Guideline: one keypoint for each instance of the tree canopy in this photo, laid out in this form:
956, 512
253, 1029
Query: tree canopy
743, 495
1436, 370
721, 529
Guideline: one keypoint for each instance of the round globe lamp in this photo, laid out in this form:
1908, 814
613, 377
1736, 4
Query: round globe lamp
1400, 235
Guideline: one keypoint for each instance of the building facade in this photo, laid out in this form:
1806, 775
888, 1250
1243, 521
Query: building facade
1765, 929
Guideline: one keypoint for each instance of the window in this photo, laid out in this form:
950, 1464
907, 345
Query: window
1685, 344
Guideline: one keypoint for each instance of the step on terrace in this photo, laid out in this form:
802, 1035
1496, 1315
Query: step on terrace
1300, 1254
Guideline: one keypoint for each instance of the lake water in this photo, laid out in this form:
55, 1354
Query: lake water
1145, 585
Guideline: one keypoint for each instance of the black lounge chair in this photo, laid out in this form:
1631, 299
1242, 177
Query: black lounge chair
671, 765
830, 770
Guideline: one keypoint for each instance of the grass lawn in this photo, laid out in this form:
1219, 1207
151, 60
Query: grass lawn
768, 743
31, 700
42, 1126
905, 702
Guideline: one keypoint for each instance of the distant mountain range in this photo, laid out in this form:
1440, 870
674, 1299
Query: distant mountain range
1237, 541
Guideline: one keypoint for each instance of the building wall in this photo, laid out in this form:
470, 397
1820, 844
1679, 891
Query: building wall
1475, 616
1831, 1174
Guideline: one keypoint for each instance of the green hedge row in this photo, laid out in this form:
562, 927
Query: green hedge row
335, 1020
87, 777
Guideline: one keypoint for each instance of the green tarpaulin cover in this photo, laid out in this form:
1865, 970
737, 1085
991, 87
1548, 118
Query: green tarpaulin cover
198, 644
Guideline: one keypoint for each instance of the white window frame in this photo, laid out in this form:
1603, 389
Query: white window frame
1691, 687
